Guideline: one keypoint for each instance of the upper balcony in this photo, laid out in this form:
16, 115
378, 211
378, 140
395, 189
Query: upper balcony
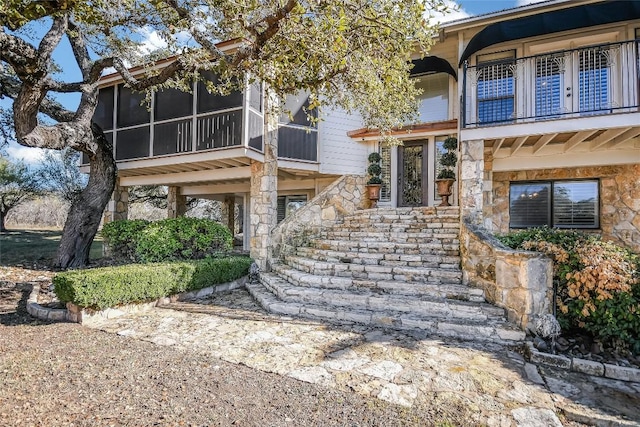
178, 131
565, 97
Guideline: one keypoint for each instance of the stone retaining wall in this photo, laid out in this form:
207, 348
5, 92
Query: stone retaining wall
519, 281
74, 313
344, 196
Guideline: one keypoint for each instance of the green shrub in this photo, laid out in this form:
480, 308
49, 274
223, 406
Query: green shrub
598, 283
166, 240
122, 236
100, 288
182, 238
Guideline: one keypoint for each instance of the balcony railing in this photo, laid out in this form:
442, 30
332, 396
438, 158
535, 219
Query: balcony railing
593, 80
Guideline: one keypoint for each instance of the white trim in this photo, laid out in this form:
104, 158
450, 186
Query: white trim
556, 158
182, 158
578, 124
285, 163
183, 177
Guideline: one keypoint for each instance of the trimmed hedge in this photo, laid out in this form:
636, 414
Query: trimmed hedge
105, 287
598, 283
166, 240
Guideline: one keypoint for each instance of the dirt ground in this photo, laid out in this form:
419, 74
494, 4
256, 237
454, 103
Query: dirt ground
62, 374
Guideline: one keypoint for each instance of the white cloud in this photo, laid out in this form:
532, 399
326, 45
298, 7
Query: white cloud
29, 155
456, 12
150, 41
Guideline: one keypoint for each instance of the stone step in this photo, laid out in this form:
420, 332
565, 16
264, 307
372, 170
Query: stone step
374, 272
435, 289
488, 329
417, 305
369, 236
415, 213
399, 248
382, 257
388, 229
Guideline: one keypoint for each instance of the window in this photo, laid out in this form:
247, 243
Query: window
103, 115
549, 75
593, 80
131, 108
289, 204
561, 204
212, 101
434, 100
496, 87
172, 103
385, 190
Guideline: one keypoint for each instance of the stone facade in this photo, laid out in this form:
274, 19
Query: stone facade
471, 184
176, 203
619, 198
118, 207
519, 281
264, 196
342, 197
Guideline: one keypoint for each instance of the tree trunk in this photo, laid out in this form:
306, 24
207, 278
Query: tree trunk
2, 217
86, 211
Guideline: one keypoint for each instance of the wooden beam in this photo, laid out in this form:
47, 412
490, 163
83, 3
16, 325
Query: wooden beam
607, 136
497, 144
519, 142
577, 139
544, 140
186, 177
630, 134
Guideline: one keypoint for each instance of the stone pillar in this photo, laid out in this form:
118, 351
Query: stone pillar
229, 212
487, 190
176, 203
471, 181
118, 207
264, 194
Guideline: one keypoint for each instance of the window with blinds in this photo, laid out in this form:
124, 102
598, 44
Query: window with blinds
289, 204
548, 93
593, 80
496, 87
385, 163
560, 204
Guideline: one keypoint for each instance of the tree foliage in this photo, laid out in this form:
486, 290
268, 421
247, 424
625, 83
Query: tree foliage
17, 185
351, 53
59, 174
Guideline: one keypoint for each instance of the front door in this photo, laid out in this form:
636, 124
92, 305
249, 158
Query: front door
413, 177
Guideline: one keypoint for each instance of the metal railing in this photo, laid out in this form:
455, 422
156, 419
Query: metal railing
592, 80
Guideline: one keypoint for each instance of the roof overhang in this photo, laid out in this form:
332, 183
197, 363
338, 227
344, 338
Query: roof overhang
432, 64
554, 21
407, 132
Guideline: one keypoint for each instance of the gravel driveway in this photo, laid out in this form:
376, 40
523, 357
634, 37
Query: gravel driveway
62, 374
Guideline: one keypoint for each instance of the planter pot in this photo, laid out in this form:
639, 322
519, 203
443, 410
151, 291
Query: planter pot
373, 193
444, 190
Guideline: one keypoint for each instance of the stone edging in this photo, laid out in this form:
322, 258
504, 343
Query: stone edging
74, 313
583, 366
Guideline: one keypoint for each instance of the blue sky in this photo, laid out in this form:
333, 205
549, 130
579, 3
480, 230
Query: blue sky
64, 57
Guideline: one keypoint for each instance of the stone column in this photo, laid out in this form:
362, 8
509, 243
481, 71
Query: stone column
176, 203
487, 190
264, 194
118, 207
471, 181
229, 212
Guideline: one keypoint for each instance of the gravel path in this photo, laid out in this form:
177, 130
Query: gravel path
62, 374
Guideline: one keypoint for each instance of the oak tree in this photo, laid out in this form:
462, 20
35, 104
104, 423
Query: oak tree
350, 53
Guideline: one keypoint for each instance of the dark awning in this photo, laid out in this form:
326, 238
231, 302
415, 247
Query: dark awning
587, 15
432, 64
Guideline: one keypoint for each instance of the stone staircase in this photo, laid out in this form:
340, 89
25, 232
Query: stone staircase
396, 268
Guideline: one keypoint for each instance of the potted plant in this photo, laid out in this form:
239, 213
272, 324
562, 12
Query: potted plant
375, 182
447, 175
